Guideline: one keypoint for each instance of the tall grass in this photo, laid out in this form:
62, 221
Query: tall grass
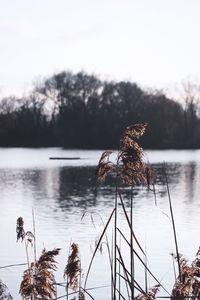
129, 169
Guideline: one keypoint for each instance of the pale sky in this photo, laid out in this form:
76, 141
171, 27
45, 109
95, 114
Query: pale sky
155, 43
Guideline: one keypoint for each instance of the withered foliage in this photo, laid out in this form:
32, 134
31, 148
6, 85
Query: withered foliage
4, 293
150, 295
73, 268
105, 166
28, 236
188, 286
20, 229
130, 167
38, 280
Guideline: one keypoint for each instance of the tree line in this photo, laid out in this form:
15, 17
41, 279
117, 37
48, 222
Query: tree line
81, 111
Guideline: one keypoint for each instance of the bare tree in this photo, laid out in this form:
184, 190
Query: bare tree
191, 100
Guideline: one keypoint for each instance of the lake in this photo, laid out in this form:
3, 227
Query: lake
61, 192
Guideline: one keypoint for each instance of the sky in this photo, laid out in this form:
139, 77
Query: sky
155, 43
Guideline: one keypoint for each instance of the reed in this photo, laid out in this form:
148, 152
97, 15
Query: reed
38, 280
72, 270
26, 236
188, 285
129, 169
4, 293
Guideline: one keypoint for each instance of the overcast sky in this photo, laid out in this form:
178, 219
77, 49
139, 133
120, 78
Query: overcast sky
155, 43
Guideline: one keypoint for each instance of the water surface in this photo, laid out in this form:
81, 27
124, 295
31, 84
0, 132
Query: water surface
61, 192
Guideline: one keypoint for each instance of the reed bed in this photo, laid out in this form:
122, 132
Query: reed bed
129, 169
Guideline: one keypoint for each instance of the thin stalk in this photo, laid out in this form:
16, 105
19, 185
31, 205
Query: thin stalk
34, 245
27, 256
112, 259
174, 269
119, 270
34, 233
14, 265
154, 192
177, 297
97, 246
173, 223
145, 271
80, 275
128, 221
121, 261
120, 294
110, 251
88, 293
140, 259
115, 232
131, 247
128, 294
115, 252
137, 287
85, 290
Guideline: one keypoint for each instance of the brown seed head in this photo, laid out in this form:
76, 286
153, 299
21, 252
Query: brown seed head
20, 229
105, 166
132, 167
73, 267
38, 280
188, 285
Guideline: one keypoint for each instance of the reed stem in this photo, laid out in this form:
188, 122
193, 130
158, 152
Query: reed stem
173, 222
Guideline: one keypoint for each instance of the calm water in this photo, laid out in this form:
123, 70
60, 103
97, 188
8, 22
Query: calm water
60, 192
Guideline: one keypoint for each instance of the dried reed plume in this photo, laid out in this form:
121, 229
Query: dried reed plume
150, 295
20, 229
132, 169
73, 268
188, 286
4, 293
38, 280
28, 236
105, 166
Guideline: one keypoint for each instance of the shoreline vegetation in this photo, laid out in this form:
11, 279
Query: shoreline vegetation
129, 170
81, 111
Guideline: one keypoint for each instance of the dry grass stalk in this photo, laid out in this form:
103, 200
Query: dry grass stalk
20, 229
26, 236
73, 268
38, 280
4, 293
188, 286
132, 169
150, 295
105, 166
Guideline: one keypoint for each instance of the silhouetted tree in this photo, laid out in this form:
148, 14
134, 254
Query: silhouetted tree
82, 111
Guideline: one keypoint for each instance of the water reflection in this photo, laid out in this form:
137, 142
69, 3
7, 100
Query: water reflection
71, 187
77, 187
61, 194
190, 182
